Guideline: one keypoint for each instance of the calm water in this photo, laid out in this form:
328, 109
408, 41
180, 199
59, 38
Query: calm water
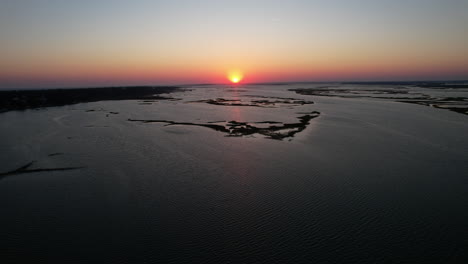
367, 181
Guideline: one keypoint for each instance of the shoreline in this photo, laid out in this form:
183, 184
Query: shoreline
31, 99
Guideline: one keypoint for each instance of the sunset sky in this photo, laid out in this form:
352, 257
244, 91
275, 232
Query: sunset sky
55, 43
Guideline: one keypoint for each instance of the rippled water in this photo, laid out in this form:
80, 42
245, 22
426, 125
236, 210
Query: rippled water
367, 181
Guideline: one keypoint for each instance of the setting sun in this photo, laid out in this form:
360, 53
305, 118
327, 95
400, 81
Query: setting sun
235, 76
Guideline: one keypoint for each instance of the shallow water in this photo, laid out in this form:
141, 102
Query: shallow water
367, 181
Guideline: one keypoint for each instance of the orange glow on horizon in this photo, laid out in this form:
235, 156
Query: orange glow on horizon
235, 76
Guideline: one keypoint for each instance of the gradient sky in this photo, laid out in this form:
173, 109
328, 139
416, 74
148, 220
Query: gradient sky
56, 43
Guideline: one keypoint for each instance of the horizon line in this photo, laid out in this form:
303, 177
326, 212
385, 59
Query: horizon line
238, 84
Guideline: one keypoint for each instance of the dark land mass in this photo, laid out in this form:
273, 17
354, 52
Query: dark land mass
239, 129
25, 169
455, 104
254, 103
456, 83
55, 154
340, 92
30, 99
236, 90
423, 84
276, 97
443, 85
160, 98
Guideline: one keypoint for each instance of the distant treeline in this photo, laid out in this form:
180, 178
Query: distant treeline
27, 99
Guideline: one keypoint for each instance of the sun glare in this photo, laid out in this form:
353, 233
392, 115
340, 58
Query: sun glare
235, 76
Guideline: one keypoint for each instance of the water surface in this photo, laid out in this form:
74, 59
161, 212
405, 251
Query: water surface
368, 180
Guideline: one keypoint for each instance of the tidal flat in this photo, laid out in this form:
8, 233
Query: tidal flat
284, 173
